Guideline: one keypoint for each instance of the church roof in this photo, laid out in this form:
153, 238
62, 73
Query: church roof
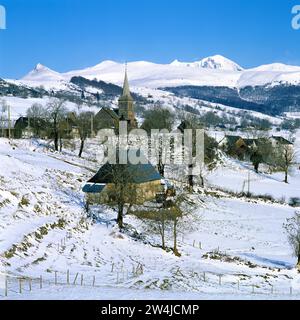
111, 112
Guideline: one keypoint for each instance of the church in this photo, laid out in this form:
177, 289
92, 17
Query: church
146, 182
109, 118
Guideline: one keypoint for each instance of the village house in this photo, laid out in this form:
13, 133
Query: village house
278, 141
234, 145
7, 129
145, 181
243, 147
22, 129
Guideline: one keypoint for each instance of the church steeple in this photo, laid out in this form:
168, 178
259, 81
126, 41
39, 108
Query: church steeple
126, 103
126, 90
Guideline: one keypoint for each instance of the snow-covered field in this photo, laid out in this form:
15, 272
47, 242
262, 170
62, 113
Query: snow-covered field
233, 175
232, 247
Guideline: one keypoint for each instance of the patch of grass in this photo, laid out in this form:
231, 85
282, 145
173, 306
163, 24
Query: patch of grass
24, 202
37, 208
15, 194
11, 252
39, 260
4, 203
61, 223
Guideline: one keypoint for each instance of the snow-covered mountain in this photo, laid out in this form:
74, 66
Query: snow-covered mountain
211, 71
216, 62
220, 63
42, 73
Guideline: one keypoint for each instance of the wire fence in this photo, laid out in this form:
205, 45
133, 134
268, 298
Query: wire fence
25, 285
120, 274
14, 284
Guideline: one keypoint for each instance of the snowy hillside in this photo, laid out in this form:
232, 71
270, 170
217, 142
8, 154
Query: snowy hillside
231, 248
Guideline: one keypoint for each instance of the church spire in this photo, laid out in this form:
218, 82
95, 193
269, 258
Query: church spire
126, 90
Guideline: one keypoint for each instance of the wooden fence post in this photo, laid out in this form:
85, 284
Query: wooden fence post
194, 243
41, 282
112, 267
6, 286
94, 280
20, 285
74, 282
200, 245
30, 286
291, 290
117, 277
68, 277
220, 280
55, 280
204, 276
81, 280
238, 283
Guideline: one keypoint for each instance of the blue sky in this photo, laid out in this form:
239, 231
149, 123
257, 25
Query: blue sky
71, 34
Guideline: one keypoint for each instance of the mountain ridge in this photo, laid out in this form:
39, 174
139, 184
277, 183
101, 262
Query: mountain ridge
211, 71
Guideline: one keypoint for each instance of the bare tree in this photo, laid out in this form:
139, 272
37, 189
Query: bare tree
292, 228
4, 106
56, 112
284, 159
37, 115
83, 121
123, 191
161, 119
210, 150
157, 220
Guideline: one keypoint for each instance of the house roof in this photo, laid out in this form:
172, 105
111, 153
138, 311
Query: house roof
232, 139
137, 173
93, 188
281, 140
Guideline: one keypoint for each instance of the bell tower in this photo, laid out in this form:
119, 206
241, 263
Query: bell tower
126, 104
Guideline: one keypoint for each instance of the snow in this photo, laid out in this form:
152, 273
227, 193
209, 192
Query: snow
19, 106
277, 67
211, 71
219, 62
246, 229
42, 73
213, 62
233, 175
